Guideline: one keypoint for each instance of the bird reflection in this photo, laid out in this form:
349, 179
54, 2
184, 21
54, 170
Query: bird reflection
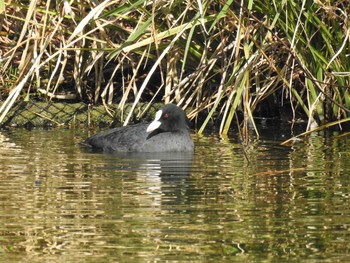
171, 173
160, 178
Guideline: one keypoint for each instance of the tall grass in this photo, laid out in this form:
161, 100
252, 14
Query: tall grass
216, 57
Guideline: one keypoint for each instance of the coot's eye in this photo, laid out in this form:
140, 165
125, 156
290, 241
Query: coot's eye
166, 115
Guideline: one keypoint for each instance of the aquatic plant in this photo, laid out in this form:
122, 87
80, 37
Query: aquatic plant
212, 57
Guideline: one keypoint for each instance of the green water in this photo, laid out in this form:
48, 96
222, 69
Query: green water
59, 203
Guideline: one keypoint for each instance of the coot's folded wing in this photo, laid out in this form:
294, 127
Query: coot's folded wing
121, 139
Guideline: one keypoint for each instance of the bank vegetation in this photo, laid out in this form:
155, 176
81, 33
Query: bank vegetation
225, 62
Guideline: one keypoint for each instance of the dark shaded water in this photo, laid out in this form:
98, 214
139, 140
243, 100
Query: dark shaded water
61, 204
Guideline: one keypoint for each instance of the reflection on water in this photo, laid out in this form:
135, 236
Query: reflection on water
59, 203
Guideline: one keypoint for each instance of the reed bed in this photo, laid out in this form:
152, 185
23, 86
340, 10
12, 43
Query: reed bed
213, 58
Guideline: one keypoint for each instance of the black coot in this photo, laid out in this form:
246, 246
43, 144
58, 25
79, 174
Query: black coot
168, 132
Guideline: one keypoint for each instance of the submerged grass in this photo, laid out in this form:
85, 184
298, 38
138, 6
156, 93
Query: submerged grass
219, 58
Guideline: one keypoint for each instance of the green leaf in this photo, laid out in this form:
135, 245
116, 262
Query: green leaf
2, 6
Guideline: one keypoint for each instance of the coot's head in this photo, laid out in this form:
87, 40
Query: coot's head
169, 118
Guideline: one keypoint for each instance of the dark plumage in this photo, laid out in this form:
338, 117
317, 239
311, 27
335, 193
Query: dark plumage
168, 132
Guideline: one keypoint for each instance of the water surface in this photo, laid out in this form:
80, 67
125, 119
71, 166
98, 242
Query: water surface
59, 203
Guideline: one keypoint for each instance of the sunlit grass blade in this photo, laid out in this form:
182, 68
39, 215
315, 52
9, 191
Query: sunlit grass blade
319, 128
